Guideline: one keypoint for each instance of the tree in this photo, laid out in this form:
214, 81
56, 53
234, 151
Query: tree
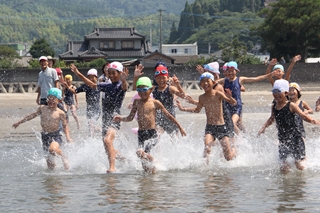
173, 34
233, 51
291, 27
7, 57
41, 48
198, 16
186, 25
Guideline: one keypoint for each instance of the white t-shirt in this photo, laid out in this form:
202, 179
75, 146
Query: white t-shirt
46, 81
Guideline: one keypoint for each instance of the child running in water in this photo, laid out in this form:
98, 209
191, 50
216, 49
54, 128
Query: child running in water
114, 95
146, 108
294, 96
284, 112
165, 94
93, 110
216, 128
213, 68
50, 117
233, 83
70, 98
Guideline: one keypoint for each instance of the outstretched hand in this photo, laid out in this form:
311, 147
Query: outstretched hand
200, 69
228, 92
296, 58
124, 75
15, 125
175, 80
117, 118
179, 105
273, 62
73, 68
138, 71
183, 133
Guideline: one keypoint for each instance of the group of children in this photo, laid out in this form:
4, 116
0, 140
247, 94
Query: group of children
221, 101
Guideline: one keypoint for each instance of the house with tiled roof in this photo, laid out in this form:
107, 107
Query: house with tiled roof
112, 44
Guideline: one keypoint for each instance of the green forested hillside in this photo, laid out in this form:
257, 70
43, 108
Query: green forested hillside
214, 21
24, 21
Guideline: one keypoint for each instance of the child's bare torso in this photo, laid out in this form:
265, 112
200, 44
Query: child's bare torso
50, 118
146, 114
213, 107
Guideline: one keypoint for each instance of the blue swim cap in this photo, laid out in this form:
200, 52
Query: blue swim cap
233, 64
55, 92
278, 66
206, 75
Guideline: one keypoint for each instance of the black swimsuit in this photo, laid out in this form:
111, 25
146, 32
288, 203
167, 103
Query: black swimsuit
290, 137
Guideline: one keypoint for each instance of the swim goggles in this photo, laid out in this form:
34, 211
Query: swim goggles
51, 98
161, 72
143, 89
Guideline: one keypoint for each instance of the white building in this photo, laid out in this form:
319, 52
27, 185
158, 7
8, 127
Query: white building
182, 53
180, 49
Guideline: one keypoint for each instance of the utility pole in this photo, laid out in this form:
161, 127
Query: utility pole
150, 34
160, 30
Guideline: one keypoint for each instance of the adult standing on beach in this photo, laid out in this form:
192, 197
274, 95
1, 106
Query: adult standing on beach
48, 78
51, 61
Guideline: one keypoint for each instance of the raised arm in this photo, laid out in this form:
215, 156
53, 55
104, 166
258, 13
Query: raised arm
272, 63
75, 70
254, 79
289, 70
200, 69
136, 75
123, 78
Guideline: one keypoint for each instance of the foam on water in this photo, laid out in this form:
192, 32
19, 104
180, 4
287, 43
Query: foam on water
87, 155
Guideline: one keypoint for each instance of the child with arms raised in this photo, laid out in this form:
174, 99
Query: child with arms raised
50, 117
112, 102
146, 108
211, 100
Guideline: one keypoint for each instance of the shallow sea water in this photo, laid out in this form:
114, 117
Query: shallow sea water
184, 183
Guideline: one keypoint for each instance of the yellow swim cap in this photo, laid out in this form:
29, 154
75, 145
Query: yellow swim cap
68, 77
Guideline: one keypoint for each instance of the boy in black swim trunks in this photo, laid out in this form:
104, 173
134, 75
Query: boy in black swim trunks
146, 108
165, 92
290, 136
211, 100
51, 116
